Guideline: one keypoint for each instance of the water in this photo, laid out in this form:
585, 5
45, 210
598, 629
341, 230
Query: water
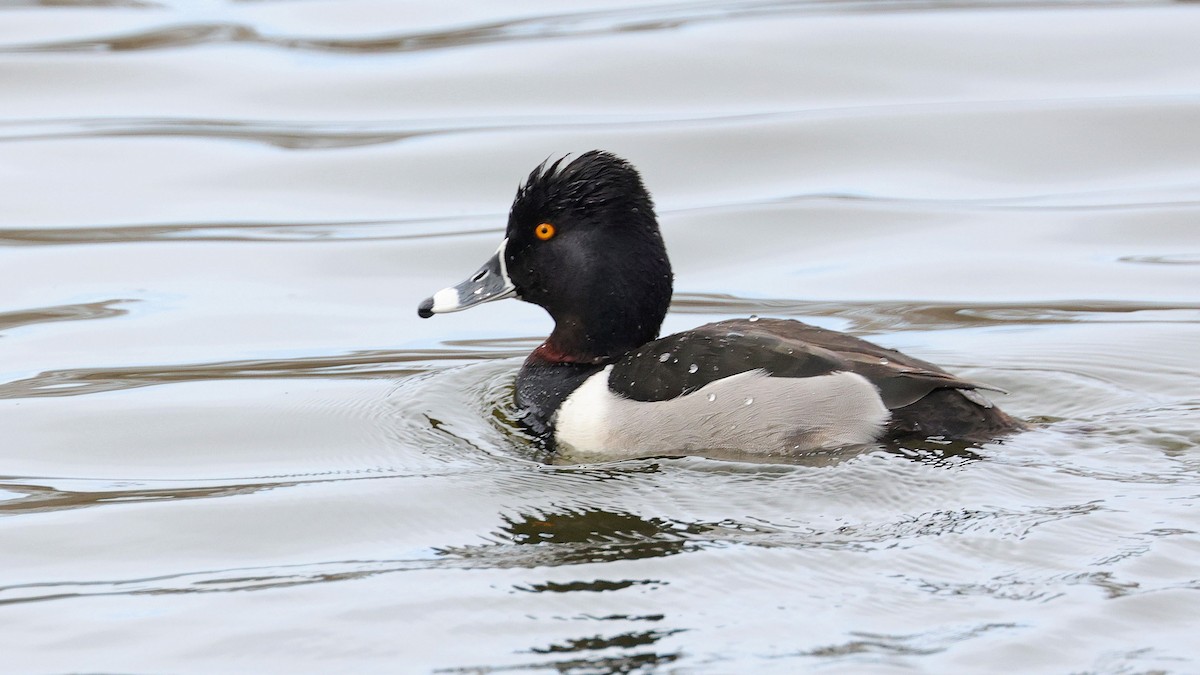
228, 443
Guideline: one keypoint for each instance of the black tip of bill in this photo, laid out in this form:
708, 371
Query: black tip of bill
425, 309
489, 283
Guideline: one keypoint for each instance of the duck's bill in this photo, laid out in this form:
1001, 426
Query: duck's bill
491, 282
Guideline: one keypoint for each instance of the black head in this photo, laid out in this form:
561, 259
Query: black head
584, 243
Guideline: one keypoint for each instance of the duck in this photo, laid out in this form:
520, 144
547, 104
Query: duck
583, 242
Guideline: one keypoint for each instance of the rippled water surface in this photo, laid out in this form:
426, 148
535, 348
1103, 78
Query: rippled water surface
227, 444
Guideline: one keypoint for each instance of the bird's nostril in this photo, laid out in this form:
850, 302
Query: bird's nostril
479, 275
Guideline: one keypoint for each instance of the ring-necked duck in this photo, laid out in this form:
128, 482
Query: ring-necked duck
583, 243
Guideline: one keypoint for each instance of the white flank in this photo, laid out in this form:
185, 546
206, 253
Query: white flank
749, 413
583, 420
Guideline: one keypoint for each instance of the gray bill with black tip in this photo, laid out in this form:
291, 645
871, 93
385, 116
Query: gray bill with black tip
489, 283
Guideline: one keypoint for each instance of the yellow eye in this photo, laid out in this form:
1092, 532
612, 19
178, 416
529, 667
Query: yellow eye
544, 231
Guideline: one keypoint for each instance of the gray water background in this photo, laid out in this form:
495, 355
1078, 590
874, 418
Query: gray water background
227, 444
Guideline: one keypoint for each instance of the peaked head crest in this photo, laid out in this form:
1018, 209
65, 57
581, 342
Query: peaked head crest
596, 186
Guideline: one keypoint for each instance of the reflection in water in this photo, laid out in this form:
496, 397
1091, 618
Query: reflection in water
622, 664
591, 586
568, 537
894, 316
362, 230
373, 364
104, 309
583, 536
1031, 589
918, 644
214, 581
579, 536
640, 662
937, 452
622, 640
1179, 259
41, 498
523, 30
